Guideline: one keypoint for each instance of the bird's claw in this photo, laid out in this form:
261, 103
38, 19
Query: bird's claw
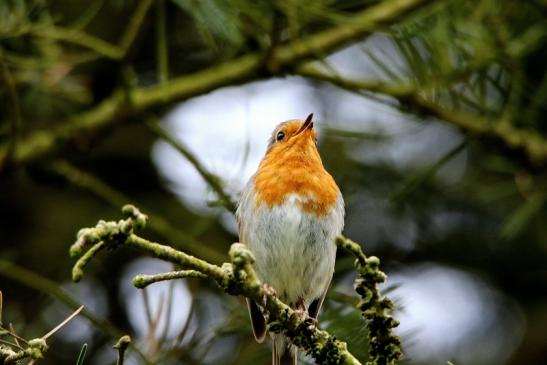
303, 313
269, 290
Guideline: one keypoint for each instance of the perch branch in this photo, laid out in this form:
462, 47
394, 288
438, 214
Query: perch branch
239, 278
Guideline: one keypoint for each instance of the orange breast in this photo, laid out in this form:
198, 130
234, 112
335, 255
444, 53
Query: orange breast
301, 172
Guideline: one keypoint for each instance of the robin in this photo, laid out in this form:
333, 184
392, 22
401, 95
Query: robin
289, 215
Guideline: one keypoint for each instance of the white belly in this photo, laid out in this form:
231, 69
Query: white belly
294, 250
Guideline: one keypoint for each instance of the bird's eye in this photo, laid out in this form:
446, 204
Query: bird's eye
280, 135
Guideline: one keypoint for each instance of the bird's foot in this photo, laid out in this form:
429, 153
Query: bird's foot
303, 313
269, 290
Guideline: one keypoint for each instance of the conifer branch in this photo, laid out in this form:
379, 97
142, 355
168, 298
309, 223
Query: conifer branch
533, 144
125, 103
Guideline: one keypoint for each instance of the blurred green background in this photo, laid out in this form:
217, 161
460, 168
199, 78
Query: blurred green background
431, 117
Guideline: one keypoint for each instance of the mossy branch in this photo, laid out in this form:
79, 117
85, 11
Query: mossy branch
238, 278
142, 281
34, 349
385, 347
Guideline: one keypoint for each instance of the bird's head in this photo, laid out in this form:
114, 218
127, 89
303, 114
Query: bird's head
292, 165
294, 137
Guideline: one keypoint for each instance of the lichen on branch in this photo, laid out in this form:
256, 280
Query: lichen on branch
385, 347
239, 278
15, 352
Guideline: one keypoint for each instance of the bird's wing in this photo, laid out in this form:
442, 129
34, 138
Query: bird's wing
245, 204
257, 320
243, 208
315, 305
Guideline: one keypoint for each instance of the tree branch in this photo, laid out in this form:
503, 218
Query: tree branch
531, 143
115, 198
122, 345
34, 348
239, 278
99, 46
142, 281
211, 179
126, 103
385, 347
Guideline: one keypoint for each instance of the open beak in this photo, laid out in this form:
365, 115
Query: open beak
308, 124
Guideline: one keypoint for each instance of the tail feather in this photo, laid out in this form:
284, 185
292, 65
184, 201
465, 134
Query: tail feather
283, 353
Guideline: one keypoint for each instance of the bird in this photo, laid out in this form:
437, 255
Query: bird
289, 215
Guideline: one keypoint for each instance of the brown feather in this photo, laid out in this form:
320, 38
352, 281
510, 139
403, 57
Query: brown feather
257, 320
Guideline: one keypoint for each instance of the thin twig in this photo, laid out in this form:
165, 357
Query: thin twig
11, 344
162, 57
214, 181
48, 287
142, 281
75, 36
122, 345
168, 310
147, 310
159, 312
14, 335
134, 26
415, 180
81, 355
58, 327
81, 39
